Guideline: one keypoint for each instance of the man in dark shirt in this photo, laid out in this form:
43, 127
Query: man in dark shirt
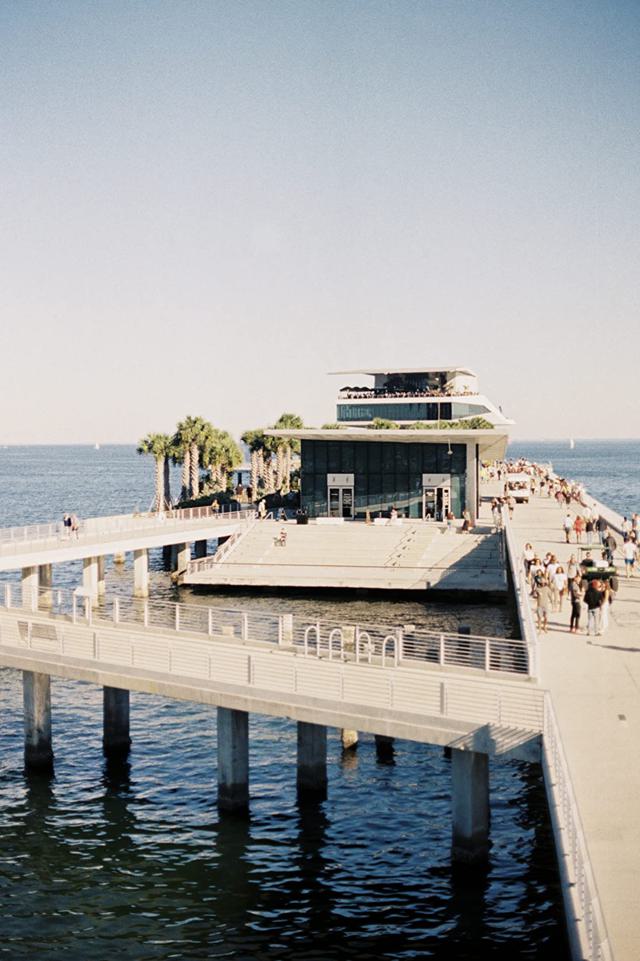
593, 599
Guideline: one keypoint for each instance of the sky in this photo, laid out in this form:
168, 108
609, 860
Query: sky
208, 206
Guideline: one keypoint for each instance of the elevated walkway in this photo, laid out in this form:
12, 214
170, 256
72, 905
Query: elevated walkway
38, 544
592, 753
398, 556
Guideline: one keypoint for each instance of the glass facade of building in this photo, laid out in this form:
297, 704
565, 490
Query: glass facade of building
386, 474
408, 411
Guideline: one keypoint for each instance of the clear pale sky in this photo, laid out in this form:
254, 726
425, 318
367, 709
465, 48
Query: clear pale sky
206, 206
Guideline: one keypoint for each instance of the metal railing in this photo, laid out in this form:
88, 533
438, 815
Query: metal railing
16, 538
223, 551
521, 588
585, 922
422, 694
383, 644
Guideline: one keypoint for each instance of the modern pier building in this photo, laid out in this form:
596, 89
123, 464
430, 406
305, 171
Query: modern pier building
411, 441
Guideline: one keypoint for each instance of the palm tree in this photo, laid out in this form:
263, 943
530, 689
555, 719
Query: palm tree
255, 441
188, 437
285, 448
159, 446
220, 454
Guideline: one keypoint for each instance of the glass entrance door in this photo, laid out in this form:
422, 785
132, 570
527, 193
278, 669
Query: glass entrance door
341, 502
436, 503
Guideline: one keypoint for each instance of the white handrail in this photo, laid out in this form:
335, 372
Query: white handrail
487, 655
521, 588
585, 922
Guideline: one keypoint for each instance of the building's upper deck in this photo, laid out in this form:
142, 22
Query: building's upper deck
416, 394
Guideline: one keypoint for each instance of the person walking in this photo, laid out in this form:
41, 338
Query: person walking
610, 544
593, 600
542, 595
567, 525
579, 526
559, 587
588, 527
575, 596
607, 600
630, 552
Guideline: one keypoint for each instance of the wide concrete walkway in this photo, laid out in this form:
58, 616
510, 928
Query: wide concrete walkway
595, 688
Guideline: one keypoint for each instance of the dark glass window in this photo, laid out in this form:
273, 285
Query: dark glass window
348, 459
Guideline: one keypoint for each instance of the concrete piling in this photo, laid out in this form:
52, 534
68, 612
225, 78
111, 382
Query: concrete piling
36, 690
349, 739
115, 718
201, 548
312, 760
385, 748
470, 806
90, 579
141, 573
29, 583
233, 760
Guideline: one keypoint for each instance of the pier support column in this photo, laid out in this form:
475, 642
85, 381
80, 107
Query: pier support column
233, 760
115, 720
181, 557
90, 579
141, 573
29, 582
102, 589
349, 739
470, 806
201, 549
119, 558
385, 748
36, 691
312, 760
45, 583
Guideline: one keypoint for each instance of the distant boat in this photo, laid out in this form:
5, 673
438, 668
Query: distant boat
97, 446
572, 443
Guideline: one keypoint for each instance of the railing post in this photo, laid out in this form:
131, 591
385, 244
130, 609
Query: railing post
7, 595
210, 621
398, 647
487, 659
74, 608
146, 613
177, 617
441, 651
245, 627
116, 610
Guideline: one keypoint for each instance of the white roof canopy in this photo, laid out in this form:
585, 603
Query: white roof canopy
372, 371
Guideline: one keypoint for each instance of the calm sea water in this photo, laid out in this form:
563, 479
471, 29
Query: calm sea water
135, 863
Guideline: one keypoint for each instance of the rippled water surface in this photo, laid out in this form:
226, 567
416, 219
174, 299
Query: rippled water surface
134, 861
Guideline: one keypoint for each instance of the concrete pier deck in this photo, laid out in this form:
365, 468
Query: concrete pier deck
594, 684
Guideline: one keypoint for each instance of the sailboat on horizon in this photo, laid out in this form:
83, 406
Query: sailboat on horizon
572, 443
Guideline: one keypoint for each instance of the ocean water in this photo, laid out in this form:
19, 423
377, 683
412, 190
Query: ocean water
134, 861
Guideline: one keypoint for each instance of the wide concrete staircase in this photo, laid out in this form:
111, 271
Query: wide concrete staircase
402, 556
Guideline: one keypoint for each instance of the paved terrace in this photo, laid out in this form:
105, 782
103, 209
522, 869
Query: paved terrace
595, 691
399, 555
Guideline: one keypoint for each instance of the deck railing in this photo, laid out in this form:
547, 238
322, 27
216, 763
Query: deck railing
585, 922
521, 588
386, 645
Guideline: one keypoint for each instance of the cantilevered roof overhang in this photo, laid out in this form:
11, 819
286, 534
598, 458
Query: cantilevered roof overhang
492, 443
372, 371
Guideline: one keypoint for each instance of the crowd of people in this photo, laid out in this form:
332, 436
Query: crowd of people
372, 393
588, 583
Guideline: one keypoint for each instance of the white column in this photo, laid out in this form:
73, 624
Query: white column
102, 590
29, 582
233, 760
182, 557
90, 579
36, 690
141, 573
471, 486
45, 580
470, 806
